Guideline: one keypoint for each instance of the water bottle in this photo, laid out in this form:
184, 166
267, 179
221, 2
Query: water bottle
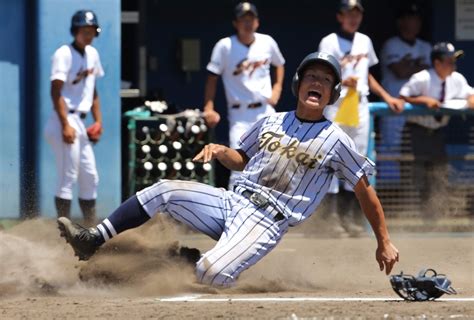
202, 169
161, 170
142, 172
159, 152
142, 135
158, 134
187, 171
143, 153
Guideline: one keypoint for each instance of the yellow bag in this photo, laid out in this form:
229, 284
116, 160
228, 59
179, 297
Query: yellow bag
348, 113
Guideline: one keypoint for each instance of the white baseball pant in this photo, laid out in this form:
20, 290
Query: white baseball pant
74, 162
244, 233
359, 134
240, 121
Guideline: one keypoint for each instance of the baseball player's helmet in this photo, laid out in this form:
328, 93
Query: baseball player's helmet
84, 18
324, 58
428, 285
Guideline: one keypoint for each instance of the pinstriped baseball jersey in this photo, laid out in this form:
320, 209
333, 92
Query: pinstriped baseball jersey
292, 162
291, 165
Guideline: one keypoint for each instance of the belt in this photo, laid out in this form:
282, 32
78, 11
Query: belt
250, 106
81, 115
260, 202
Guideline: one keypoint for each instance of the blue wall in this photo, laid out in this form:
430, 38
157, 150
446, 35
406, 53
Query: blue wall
12, 91
54, 18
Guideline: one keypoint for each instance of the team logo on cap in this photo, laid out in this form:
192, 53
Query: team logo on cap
450, 47
246, 6
352, 3
89, 16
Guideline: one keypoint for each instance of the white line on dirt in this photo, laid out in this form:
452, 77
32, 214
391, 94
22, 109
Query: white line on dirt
197, 298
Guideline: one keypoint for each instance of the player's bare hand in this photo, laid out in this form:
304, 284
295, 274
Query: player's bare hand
276, 93
387, 255
69, 134
432, 103
212, 118
209, 152
350, 82
470, 101
397, 105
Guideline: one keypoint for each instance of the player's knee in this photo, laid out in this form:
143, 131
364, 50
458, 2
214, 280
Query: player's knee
214, 275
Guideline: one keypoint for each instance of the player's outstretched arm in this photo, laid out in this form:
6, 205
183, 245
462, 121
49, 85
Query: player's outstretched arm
386, 254
210, 114
230, 158
397, 105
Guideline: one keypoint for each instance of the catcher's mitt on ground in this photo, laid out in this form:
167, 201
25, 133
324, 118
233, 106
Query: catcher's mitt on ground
423, 287
94, 131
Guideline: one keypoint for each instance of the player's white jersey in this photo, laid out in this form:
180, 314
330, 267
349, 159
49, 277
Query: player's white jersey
393, 51
79, 74
245, 70
355, 57
292, 162
428, 83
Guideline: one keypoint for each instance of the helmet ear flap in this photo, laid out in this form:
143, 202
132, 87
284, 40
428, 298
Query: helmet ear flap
295, 84
335, 94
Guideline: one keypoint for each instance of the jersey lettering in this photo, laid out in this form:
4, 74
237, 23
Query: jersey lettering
271, 141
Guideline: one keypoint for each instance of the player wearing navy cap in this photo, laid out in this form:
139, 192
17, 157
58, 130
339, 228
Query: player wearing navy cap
75, 68
287, 161
433, 88
243, 61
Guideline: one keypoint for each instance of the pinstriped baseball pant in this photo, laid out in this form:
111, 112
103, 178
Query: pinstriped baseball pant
244, 233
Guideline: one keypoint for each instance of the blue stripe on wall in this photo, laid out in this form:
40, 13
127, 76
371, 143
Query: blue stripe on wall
11, 101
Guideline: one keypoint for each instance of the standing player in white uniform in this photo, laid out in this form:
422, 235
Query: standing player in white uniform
401, 56
356, 55
75, 68
432, 87
288, 160
243, 61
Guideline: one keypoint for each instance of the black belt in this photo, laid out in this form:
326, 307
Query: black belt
260, 202
81, 115
250, 106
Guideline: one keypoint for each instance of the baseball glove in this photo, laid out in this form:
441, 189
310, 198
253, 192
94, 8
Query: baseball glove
422, 288
94, 131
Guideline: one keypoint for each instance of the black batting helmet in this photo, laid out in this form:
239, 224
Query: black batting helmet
84, 18
325, 58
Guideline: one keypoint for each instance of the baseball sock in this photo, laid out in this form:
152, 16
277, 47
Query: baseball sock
63, 207
129, 215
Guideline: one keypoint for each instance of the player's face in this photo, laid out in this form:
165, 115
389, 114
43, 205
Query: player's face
315, 90
409, 26
85, 35
246, 25
445, 66
350, 20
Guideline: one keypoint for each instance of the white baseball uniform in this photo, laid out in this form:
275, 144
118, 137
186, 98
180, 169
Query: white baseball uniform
245, 72
291, 165
76, 161
393, 51
428, 83
355, 57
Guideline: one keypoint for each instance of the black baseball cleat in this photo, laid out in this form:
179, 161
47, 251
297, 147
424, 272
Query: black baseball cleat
84, 242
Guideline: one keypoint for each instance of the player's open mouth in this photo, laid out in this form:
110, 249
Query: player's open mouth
314, 94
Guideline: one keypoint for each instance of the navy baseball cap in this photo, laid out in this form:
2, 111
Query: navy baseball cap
445, 49
243, 8
409, 10
347, 5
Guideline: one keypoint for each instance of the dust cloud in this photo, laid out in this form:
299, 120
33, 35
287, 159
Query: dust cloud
35, 260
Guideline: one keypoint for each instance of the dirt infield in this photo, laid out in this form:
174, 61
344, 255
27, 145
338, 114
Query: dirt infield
136, 274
